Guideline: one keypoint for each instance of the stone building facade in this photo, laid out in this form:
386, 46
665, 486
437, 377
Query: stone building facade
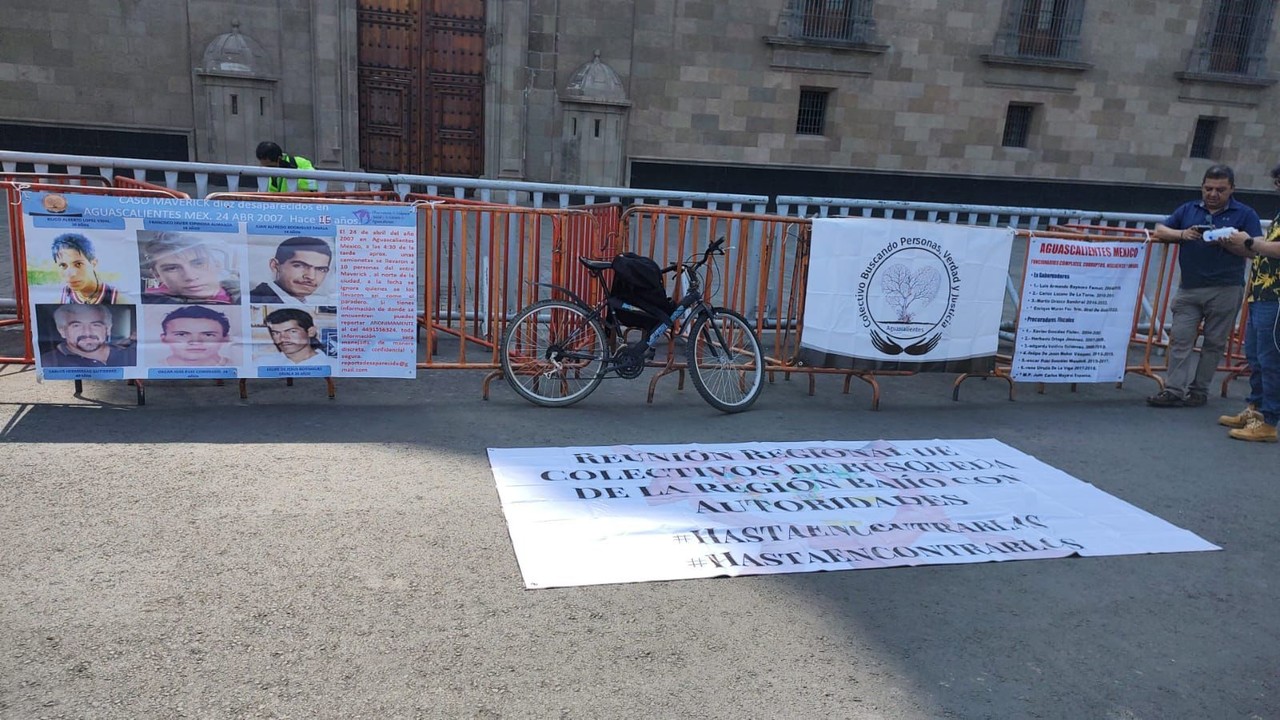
824, 97
197, 80
1131, 93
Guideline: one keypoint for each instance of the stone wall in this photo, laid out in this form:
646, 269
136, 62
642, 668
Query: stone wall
131, 65
708, 81
96, 63
706, 85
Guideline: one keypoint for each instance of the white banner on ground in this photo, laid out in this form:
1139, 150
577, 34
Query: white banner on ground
162, 288
592, 515
905, 291
1077, 308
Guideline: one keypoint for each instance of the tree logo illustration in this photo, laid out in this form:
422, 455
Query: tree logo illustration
903, 288
907, 296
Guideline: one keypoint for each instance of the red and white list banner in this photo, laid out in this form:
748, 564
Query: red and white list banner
1078, 300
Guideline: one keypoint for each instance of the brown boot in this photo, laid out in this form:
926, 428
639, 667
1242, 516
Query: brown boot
1242, 419
1255, 431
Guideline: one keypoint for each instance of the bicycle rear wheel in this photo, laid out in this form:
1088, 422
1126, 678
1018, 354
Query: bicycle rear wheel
725, 360
554, 353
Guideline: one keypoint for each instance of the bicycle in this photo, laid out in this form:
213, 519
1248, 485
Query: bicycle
556, 352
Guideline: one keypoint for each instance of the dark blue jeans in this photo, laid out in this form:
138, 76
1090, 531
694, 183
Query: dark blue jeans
1263, 354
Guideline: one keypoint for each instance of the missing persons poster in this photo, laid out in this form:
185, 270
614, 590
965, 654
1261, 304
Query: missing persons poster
593, 515
905, 291
161, 288
1078, 300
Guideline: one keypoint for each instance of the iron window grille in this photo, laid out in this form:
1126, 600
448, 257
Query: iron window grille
1202, 140
812, 116
1017, 125
1041, 29
1233, 38
830, 21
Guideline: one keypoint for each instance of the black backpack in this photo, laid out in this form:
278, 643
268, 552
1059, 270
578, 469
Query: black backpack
637, 280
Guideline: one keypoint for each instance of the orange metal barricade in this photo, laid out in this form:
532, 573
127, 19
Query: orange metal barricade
669, 234
18, 261
597, 234
128, 183
763, 277
1158, 275
1159, 262
424, 197
56, 179
482, 263
129, 186
331, 198
785, 300
1234, 363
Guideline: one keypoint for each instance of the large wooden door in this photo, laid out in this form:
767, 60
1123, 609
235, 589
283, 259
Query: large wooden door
421, 81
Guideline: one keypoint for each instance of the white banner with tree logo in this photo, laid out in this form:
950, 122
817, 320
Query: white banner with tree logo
592, 515
905, 291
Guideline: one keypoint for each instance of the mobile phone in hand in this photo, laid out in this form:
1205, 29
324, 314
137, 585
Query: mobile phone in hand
1202, 228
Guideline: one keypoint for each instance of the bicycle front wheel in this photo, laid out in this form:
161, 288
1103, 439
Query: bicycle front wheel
554, 353
725, 360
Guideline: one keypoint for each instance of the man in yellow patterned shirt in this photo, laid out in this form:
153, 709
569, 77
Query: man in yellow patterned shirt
1257, 422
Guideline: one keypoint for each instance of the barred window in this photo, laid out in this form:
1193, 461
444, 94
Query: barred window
1017, 125
1044, 29
1233, 37
842, 21
812, 117
1203, 139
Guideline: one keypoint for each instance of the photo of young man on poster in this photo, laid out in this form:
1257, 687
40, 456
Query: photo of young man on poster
195, 336
295, 274
181, 268
75, 269
294, 338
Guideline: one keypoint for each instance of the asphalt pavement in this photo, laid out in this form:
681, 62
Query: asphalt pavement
291, 556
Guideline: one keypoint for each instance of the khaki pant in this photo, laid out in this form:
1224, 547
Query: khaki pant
1218, 308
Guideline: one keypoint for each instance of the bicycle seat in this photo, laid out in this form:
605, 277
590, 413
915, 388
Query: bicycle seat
595, 264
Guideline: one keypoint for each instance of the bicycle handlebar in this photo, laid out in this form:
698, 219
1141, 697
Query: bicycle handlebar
712, 249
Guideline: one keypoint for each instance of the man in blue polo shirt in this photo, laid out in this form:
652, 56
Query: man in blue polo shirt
1211, 289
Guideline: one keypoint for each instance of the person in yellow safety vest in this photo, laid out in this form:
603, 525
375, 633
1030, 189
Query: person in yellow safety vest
270, 155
